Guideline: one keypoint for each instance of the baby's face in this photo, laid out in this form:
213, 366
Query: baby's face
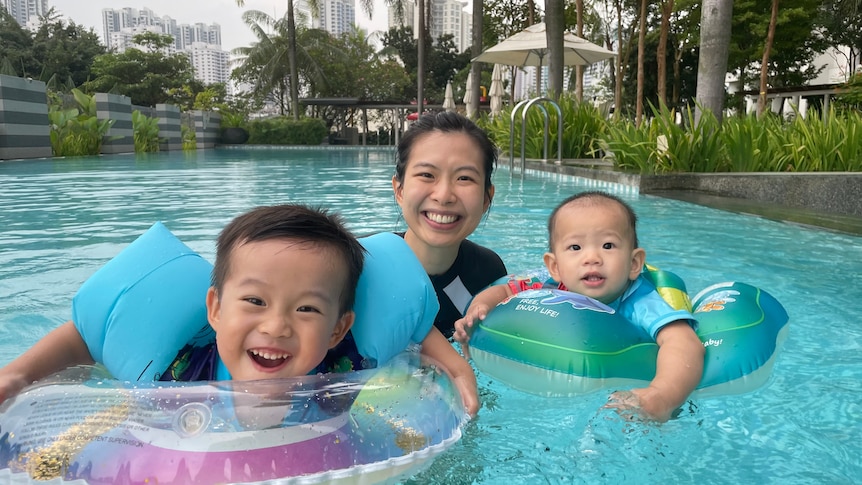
279, 309
593, 252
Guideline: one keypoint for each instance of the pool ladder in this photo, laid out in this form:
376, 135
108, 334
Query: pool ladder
523, 107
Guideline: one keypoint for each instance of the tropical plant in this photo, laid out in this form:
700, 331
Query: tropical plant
146, 132
76, 130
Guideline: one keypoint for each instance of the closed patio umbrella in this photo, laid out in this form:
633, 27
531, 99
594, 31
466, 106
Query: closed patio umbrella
496, 91
449, 98
468, 95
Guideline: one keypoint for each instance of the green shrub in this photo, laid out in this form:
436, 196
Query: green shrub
76, 131
286, 131
146, 132
190, 140
662, 145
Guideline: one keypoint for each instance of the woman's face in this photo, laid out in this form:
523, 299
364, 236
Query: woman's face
443, 195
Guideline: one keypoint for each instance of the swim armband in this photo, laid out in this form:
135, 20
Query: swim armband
144, 305
139, 309
395, 301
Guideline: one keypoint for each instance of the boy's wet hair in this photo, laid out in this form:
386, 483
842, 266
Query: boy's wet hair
594, 197
446, 122
306, 225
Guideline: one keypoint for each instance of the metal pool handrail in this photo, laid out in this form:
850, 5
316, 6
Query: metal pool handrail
526, 105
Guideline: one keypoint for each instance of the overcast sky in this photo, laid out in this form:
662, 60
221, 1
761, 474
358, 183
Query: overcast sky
223, 12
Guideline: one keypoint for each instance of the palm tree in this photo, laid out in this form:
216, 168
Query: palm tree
715, 23
264, 62
291, 58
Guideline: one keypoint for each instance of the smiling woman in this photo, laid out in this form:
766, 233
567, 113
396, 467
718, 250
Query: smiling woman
443, 185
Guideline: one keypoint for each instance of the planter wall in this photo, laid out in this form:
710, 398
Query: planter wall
24, 127
826, 192
207, 128
170, 129
121, 136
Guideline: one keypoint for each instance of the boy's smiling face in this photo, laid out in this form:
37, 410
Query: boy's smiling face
593, 250
279, 309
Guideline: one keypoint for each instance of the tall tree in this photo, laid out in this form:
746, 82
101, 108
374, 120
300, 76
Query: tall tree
65, 52
715, 25
639, 103
554, 31
420, 56
475, 50
764, 65
145, 75
16, 48
291, 58
661, 53
264, 64
579, 70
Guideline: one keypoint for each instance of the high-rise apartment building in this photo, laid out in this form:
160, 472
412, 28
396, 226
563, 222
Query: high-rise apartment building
446, 17
119, 20
23, 10
210, 62
335, 16
201, 42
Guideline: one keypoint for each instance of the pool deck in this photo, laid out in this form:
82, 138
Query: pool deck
824, 200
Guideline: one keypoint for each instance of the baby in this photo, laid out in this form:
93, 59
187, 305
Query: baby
593, 250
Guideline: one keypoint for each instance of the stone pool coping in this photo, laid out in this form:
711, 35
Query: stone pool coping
829, 200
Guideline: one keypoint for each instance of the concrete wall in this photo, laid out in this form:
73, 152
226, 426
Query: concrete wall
207, 128
827, 192
120, 137
170, 131
24, 126
832, 192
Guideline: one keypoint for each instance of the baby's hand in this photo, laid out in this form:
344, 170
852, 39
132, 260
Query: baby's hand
645, 404
464, 326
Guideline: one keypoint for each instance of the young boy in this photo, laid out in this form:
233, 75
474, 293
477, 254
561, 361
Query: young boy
593, 250
282, 296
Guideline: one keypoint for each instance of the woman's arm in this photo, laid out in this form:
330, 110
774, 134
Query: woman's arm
61, 348
438, 348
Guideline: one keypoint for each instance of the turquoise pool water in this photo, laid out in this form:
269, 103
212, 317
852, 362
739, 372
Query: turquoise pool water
60, 220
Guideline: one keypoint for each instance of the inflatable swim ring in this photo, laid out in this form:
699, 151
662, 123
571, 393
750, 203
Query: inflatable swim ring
367, 426
556, 343
124, 426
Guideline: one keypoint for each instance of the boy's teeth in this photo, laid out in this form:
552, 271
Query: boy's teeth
269, 356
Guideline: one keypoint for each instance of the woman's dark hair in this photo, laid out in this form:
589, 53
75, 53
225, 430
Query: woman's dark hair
446, 122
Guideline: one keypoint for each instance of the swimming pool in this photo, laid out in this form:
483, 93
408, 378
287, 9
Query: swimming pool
62, 219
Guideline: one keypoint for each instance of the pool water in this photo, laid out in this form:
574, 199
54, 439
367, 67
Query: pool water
62, 219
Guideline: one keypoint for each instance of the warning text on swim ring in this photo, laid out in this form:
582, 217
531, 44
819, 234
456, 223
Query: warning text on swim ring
528, 305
